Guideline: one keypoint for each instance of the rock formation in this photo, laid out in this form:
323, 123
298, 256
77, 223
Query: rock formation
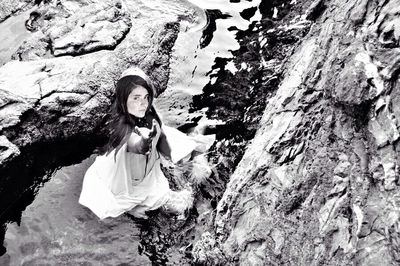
318, 184
74, 91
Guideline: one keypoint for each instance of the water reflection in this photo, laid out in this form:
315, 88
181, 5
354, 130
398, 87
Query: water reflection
195, 53
192, 60
55, 229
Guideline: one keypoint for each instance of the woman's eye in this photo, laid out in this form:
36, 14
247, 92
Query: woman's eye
138, 98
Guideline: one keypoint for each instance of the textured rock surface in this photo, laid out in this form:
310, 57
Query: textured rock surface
76, 27
318, 184
10, 7
76, 91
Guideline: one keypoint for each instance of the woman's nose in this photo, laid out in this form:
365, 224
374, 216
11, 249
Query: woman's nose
143, 102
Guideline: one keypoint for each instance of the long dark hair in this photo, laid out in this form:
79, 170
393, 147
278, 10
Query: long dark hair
121, 122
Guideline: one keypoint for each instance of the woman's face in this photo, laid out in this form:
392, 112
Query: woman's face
138, 101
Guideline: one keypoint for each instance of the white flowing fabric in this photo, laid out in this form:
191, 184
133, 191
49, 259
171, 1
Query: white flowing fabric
108, 189
105, 174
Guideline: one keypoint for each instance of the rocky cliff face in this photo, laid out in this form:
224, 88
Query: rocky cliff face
318, 184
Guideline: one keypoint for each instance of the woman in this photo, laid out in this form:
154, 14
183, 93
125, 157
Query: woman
128, 177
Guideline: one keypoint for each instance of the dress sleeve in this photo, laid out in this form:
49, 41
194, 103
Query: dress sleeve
179, 144
163, 145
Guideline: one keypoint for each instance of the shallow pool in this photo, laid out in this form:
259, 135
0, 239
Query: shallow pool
56, 230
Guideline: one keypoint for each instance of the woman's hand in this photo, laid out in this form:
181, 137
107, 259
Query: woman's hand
146, 140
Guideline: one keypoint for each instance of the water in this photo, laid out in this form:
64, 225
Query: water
55, 229
191, 64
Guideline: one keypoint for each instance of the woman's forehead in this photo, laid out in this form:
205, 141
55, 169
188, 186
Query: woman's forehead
139, 90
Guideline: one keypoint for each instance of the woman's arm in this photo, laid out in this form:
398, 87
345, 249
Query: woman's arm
141, 143
163, 146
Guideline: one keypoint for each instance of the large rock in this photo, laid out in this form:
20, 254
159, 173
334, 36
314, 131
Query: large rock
49, 98
76, 27
318, 185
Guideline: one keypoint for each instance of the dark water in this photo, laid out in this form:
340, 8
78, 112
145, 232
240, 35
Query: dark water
56, 230
47, 226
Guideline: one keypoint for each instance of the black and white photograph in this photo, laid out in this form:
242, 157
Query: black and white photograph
199, 132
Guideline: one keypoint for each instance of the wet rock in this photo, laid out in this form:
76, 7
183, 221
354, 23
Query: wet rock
98, 28
351, 73
8, 150
36, 47
319, 182
9, 7
315, 9
205, 251
11, 108
23, 79
73, 28
70, 90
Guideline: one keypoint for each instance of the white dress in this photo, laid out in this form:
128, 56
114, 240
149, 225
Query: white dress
114, 185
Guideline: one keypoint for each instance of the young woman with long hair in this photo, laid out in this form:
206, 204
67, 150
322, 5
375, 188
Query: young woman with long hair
127, 176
